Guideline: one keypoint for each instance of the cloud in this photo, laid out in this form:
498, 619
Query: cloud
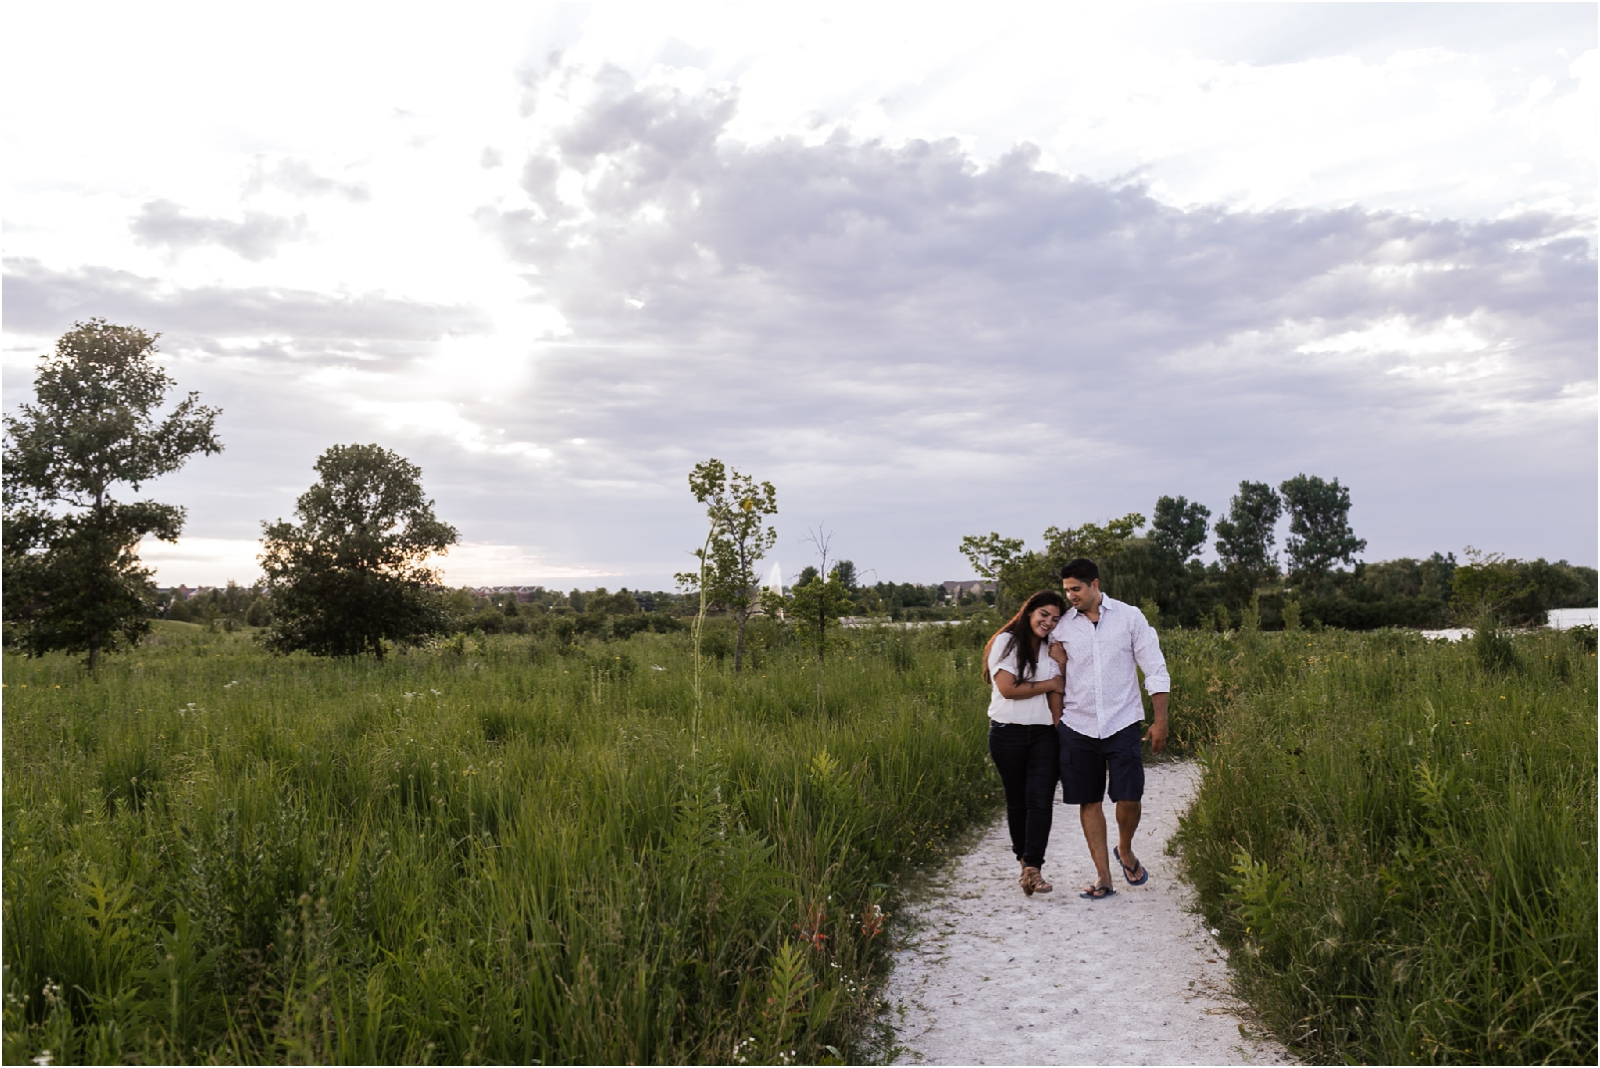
298, 178
483, 564
199, 561
44, 300
867, 322
196, 561
914, 341
162, 224
854, 271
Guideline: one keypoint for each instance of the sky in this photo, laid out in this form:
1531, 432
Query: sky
932, 270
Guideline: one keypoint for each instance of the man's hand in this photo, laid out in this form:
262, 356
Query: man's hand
1058, 653
1157, 734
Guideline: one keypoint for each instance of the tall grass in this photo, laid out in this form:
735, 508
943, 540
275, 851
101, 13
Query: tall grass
484, 852
1397, 838
499, 850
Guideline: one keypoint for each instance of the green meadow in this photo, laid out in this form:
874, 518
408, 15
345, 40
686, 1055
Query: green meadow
1396, 838
484, 852
500, 850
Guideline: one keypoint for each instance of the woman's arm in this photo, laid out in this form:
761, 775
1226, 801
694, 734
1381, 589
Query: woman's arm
1012, 690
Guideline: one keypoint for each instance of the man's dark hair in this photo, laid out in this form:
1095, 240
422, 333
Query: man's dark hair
1082, 569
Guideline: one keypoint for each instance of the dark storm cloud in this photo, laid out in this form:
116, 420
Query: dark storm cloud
163, 224
299, 178
42, 300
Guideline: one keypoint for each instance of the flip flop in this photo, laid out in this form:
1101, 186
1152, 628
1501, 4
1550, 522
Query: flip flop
1116, 851
1096, 893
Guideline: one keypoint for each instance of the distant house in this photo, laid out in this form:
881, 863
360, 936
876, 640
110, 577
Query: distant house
954, 590
524, 594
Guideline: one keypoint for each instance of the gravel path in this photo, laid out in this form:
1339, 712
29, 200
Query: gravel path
989, 976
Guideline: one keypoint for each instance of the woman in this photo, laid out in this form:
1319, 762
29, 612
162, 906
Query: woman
1023, 712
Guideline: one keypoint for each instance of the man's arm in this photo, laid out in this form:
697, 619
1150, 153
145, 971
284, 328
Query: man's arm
1157, 683
1157, 734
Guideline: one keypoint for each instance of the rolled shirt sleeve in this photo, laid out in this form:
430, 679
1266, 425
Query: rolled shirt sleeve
1147, 654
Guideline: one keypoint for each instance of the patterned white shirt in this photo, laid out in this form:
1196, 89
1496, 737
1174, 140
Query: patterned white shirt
1102, 694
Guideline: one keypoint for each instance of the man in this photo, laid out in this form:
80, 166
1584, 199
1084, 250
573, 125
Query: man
1104, 640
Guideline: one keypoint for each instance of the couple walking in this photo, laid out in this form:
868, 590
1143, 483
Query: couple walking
1066, 708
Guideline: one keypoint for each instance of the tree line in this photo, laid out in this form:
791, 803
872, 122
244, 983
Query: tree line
1318, 581
354, 572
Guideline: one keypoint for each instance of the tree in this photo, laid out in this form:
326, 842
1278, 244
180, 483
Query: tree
816, 606
1319, 526
71, 566
1519, 592
354, 572
1091, 540
1178, 532
990, 555
738, 507
1245, 538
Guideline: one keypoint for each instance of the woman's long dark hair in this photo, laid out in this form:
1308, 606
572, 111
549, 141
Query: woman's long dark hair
1022, 637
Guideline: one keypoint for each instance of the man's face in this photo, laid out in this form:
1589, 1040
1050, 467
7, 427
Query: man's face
1084, 597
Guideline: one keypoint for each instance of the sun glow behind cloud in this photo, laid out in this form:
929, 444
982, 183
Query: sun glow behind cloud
557, 254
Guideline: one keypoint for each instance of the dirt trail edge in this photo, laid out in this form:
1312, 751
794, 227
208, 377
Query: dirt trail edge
989, 976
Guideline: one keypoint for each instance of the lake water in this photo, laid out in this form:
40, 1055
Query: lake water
1562, 618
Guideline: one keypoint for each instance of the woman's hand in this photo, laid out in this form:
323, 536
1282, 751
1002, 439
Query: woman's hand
1012, 690
1058, 653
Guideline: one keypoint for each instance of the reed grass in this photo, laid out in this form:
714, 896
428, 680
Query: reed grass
1396, 838
501, 851
481, 853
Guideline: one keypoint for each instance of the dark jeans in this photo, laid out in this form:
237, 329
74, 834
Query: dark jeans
1026, 757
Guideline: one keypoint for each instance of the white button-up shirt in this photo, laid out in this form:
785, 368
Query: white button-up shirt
1102, 695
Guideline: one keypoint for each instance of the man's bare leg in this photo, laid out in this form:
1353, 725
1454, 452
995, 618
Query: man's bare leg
1093, 819
1127, 822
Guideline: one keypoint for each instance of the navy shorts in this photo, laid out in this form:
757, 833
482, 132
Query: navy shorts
1085, 762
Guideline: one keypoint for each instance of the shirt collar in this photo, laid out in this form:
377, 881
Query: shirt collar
1105, 602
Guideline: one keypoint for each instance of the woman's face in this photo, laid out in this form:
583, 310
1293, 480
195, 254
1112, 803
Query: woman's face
1043, 619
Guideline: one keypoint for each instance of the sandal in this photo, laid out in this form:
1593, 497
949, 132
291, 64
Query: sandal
1033, 882
1127, 873
1097, 892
